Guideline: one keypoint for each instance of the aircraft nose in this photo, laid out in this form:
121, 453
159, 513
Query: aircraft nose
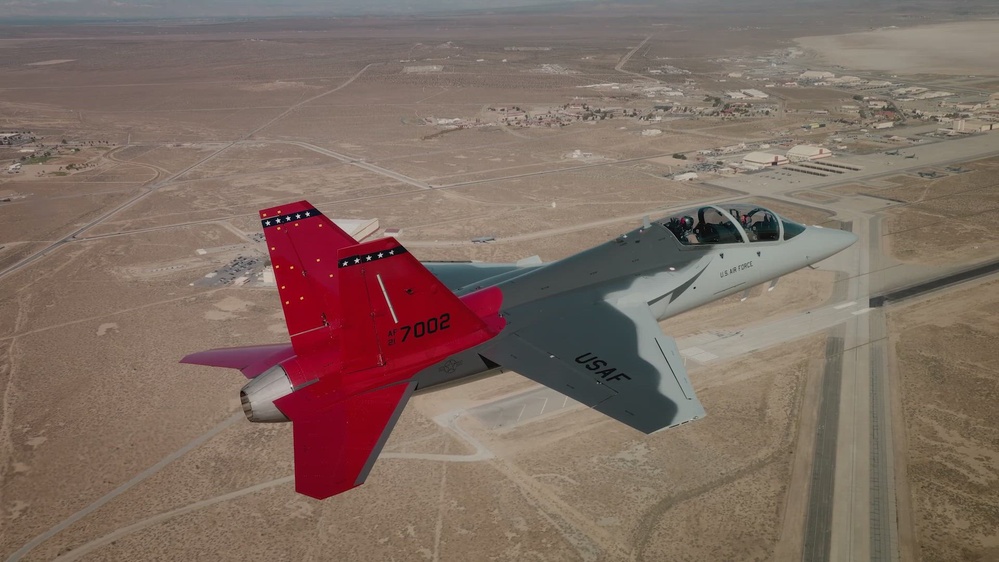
826, 242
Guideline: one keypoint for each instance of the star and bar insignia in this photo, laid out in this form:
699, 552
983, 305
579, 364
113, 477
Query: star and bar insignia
374, 256
290, 217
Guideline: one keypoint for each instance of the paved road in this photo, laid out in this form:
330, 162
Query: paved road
818, 519
359, 163
620, 65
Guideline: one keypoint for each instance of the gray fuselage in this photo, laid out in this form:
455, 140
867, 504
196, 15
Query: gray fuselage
648, 264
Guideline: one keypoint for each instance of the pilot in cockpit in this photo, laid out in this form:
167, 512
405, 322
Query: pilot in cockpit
747, 224
681, 228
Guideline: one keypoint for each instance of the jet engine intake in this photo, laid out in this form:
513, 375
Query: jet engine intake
259, 394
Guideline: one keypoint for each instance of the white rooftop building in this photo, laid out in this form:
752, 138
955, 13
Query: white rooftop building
816, 75
764, 159
842, 80
807, 152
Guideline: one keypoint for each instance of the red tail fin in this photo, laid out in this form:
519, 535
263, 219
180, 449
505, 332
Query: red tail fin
303, 244
395, 311
395, 319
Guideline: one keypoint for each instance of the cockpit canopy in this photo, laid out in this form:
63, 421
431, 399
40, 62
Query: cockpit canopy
733, 223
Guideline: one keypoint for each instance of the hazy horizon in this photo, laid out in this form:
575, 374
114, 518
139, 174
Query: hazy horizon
46, 10
88, 10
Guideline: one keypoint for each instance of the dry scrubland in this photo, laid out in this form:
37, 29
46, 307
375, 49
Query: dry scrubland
712, 491
949, 220
949, 378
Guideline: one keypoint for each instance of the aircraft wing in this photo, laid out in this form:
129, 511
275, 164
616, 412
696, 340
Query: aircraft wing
612, 357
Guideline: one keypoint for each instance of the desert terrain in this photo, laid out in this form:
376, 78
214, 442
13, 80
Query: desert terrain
142, 152
948, 378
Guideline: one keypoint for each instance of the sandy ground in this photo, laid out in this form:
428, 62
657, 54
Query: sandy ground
944, 221
951, 48
949, 377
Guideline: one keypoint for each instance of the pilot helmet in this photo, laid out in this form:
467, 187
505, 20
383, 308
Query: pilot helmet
687, 222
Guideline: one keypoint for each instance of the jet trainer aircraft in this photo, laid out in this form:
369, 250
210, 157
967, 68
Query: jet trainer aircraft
370, 325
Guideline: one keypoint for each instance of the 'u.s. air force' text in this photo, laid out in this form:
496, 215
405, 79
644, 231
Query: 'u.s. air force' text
734, 268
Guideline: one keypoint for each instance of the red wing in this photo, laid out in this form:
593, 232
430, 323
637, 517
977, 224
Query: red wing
251, 360
303, 245
396, 313
335, 448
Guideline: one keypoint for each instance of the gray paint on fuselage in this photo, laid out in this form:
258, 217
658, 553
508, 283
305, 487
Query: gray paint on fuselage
458, 276
635, 266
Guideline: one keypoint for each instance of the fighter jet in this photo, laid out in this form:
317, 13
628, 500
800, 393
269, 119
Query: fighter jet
371, 326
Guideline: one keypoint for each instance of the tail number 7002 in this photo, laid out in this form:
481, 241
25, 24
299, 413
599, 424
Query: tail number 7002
426, 327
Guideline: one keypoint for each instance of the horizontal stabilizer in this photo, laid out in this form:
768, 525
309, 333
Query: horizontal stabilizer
251, 360
336, 447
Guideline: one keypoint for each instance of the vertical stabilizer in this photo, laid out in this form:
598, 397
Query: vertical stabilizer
394, 309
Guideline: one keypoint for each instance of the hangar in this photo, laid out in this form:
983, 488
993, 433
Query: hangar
807, 152
764, 159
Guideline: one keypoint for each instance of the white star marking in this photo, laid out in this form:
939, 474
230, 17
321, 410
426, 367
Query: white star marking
307, 213
278, 220
391, 252
380, 254
368, 258
298, 216
268, 223
357, 260
346, 263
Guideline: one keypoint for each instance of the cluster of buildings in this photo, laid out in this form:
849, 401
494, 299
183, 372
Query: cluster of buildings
558, 116
668, 69
958, 116
643, 88
14, 139
802, 155
803, 159
914, 93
